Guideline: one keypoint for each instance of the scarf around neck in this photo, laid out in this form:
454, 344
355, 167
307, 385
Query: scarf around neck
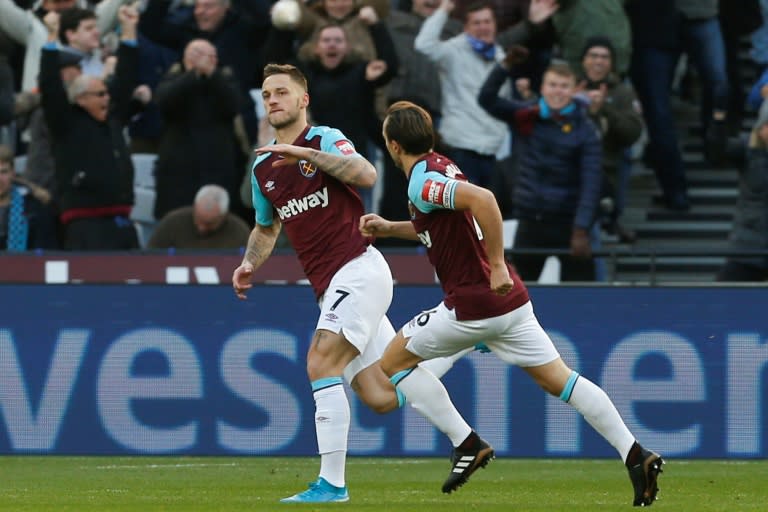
547, 113
18, 226
485, 50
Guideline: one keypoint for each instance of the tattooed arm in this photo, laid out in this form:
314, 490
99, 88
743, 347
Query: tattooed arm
352, 169
261, 243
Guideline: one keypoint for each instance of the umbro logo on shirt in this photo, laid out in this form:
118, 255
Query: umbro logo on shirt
270, 186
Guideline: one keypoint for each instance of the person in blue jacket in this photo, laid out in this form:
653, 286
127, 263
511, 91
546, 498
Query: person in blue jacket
558, 178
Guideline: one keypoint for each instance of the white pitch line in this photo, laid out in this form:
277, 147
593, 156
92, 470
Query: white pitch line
160, 466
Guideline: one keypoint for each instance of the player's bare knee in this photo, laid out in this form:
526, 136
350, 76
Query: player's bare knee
315, 370
374, 390
382, 404
320, 366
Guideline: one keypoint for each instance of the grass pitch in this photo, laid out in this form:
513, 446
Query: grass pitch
32, 483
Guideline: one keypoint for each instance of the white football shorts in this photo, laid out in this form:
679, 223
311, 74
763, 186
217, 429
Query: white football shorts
355, 306
515, 337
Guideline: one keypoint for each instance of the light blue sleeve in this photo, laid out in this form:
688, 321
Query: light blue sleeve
418, 183
263, 208
333, 141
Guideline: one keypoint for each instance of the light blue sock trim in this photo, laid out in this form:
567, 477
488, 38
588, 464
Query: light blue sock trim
400, 397
568, 389
395, 379
325, 383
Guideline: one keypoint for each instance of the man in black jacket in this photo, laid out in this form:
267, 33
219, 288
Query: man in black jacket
237, 28
198, 101
93, 166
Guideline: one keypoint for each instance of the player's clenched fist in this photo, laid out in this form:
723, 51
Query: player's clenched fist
372, 225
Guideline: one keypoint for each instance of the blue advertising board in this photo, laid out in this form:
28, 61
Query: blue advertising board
192, 370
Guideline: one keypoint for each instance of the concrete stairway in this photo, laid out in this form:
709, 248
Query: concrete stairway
692, 235
713, 193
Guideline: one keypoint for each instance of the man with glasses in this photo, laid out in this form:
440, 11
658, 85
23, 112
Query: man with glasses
93, 167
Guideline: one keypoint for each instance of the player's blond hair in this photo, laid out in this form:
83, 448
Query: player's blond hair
292, 71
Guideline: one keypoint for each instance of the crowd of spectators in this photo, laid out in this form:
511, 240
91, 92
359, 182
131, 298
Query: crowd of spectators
542, 101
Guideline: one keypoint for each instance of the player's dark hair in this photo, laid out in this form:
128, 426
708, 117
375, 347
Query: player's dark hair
286, 69
411, 126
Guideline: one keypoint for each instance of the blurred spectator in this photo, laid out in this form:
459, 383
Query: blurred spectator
535, 31
559, 174
40, 168
473, 136
199, 102
346, 13
355, 17
526, 22
95, 186
237, 36
40, 164
26, 28
508, 12
207, 224
737, 20
7, 102
661, 30
759, 38
613, 107
20, 204
577, 20
415, 82
79, 34
341, 84
759, 92
6, 92
750, 224
154, 62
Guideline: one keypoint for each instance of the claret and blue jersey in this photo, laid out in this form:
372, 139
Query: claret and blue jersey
319, 213
454, 242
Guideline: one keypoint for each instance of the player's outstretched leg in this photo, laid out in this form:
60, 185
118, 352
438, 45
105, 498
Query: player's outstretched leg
473, 453
320, 491
594, 404
644, 467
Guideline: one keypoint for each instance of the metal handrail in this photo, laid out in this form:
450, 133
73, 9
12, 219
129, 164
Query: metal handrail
653, 253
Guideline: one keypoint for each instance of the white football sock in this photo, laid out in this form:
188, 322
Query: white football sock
427, 395
332, 419
593, 403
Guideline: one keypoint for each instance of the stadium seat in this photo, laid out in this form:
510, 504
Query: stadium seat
144, 170
142, 213
509, 229
20, 164
550, 272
